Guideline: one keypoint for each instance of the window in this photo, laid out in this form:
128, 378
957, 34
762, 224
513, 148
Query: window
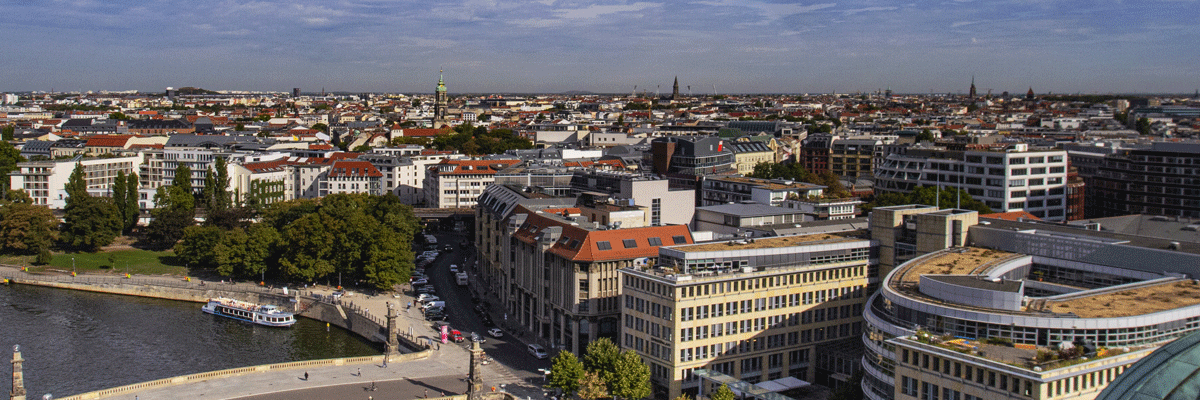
629, 243
603, 245
655, 241
679, 239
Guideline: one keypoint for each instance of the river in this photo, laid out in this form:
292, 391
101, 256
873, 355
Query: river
75, 342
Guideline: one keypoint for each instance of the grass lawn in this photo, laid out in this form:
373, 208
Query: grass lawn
136, 261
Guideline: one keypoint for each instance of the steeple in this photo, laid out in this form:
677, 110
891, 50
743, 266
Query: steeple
972, 95
1029, 94
675, 89
440, 101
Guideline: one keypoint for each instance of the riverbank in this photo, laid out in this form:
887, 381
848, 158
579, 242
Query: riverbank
348, 315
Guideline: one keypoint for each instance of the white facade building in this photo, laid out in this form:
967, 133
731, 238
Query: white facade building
45, 181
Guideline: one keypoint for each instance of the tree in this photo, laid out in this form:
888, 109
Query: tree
947, 197
722, 393
25, 228
631, 377
119, 195
183, 178
196, 248
1143, 126
566, 372
362, 148
8, 131
175, 212
90, 223
118, 115
132, 210
925, 136
9, 157
683, 396
320, 127
76, 186
591, 387
601, 355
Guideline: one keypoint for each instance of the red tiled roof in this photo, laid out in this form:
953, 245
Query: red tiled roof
586, 248
320, 147
146, 146
108, 140
354, 168
265, 166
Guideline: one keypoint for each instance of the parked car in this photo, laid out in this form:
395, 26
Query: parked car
421, 281
434, 303
427, 289
426, 297
495, 332
476, 338
487, 321
435, 317
454, 268
536, 351
447, 247
456, 336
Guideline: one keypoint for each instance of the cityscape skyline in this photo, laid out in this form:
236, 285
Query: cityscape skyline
713, 46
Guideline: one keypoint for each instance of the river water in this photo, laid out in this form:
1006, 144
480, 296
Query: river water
75, 342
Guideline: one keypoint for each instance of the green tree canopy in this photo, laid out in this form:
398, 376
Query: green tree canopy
25, 228
9, 157
90, 223
175, 212
948, 197
601, 355
631, 377
722, 393
565, 372
591, 387
183, 178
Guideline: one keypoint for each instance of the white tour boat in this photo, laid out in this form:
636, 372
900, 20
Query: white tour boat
268, 315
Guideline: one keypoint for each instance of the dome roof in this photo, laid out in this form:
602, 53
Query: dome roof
1170, 373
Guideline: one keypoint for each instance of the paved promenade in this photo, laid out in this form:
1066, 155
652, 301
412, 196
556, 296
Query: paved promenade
446, 369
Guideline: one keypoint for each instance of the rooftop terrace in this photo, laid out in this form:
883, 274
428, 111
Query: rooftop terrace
775, 242
964, 261
1136, 301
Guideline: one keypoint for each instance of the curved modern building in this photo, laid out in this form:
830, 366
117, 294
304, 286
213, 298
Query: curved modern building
999, 315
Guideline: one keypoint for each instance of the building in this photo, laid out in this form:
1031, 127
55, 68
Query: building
689, 157
564, 273
352, 176
667, 205
825, 209
45, 181
744, 219
1017, 179
748, 153
1159, 179
494, 246
440, 103
773, 192
980, 317
755, 310
815, 152
458, 183
852, 157
264, 182
1162, 375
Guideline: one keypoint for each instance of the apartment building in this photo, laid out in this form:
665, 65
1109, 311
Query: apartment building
494, 246
351, 176
564, 273
45, 181
1155, 179
748, 153
667, 205
459, 183
716, 190
852, 157
754, 310
1016, 179
266, 181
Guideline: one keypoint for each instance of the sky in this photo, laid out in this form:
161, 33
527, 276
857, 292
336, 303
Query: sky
550, 46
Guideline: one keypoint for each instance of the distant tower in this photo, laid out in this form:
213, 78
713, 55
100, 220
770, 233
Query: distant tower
171, 93
1029, 94
439, 102
675, 89
295, 92
972, 95
18, 377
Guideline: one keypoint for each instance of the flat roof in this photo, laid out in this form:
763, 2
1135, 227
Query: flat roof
774, 242
749, 210
1136, 301
963, 261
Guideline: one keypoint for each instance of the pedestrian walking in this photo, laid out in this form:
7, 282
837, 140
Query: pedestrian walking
427, 393
385, 361
360, 372
305, 375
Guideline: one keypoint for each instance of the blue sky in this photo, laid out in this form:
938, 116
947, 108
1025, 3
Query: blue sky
740, 46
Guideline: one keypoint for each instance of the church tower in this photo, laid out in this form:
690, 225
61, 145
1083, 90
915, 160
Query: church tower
1029, 94
675, 90
972, 95
440, 102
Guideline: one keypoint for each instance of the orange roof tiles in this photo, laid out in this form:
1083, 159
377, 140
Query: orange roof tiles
613, 163
582, 244
354, 169
1012, 216
474, 167
108, 140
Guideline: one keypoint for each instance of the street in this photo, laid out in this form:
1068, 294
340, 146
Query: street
507, 350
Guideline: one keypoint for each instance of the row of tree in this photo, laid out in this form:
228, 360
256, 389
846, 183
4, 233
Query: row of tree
480, 140
355, 237
605, 371
944, 197
796, 172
